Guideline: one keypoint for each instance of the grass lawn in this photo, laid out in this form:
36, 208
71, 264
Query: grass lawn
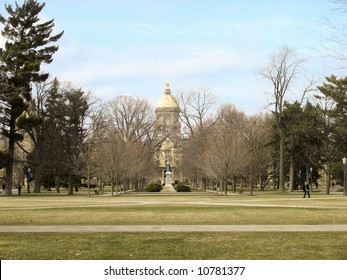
171, 246
168, 214
196, 208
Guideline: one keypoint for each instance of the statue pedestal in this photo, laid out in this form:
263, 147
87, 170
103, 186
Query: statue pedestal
168, 183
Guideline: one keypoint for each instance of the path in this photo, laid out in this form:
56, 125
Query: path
177, 228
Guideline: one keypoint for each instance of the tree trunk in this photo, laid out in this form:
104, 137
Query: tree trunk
126, 185
88, 186
9, 168
292, 174
328, 177
281, 168
38, 179
137, 185
57, 186
250, 180
88, 177
37, 183
261, 182
70, 184
274, 178
112, 187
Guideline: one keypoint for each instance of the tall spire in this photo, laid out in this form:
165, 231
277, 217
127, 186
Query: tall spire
167, 87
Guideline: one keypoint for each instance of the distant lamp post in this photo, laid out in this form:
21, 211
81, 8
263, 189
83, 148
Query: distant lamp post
344, 161
311, 178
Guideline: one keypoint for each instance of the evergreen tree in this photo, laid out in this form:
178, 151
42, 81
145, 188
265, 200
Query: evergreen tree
52, 154
303, 140
336, 89
27, 47
336, 129
66, 113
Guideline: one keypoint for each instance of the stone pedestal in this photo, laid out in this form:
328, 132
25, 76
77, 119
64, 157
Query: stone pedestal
168, 178
168, 183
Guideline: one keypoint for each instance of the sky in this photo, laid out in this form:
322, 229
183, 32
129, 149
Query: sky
117, 47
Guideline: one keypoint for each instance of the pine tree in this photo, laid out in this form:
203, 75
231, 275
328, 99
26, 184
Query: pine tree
27, 47
335, 139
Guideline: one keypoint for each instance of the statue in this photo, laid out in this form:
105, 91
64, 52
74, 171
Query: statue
167, 85
168, 178
167, 166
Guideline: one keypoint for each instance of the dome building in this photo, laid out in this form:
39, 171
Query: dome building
168, 139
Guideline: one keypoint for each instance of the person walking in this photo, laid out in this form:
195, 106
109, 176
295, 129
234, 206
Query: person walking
306, 190
19, 189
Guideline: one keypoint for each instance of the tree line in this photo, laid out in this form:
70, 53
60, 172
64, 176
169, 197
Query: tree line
70, 135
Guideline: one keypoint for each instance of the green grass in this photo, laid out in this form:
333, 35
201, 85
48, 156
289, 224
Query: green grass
175, 246
183, 209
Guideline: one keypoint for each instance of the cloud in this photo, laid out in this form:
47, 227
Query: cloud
142, 71
114, 48
82, 66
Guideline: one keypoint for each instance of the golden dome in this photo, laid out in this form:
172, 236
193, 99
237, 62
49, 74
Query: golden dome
166, 100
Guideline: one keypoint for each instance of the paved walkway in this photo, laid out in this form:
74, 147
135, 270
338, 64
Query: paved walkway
177, 228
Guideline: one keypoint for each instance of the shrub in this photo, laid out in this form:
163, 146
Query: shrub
182, 188
153, 188
340, 189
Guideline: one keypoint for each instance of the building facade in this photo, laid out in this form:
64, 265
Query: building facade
168, 138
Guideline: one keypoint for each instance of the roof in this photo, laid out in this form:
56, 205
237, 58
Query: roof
167, 100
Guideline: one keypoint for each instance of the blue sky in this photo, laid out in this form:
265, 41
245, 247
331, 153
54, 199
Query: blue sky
115, 47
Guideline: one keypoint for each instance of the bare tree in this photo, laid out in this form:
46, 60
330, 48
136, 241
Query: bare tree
195, 110
196, 114
227, 155
336, 42
284, 66
258, 139
109, 159
95, 133
132, 116
118, 161
132, 128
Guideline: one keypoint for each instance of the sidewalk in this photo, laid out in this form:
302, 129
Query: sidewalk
178, 228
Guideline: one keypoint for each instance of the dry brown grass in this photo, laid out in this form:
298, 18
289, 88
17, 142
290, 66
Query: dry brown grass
175, 210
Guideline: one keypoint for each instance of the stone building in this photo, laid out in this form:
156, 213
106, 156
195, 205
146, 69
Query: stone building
19, 160
168, 138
